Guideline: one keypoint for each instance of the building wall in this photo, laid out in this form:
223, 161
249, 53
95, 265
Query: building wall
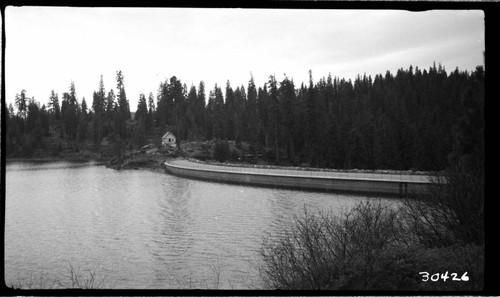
169, 140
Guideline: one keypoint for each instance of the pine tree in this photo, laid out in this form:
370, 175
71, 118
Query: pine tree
110, 104
287, 101
190, 116
100, 104
210, 116
469, 135
177, 97
70, 113
21, 104
312, 139
163, 107
251, 112
229, 112
139, 138
32, 116
53, 104
200, 113
44, 121
239, 113
219, 114
142, 109
123, 104
100, 108
82, 125
84, 107
262, 113
150, 122
274, 115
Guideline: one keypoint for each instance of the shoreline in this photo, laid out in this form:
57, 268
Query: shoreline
56, 159
156, 163
126, 162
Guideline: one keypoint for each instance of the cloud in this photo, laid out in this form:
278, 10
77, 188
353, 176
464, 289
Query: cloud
49, 47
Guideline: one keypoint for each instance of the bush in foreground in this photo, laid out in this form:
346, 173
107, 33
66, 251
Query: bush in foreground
74, 278
452, 211
331, 252
362, 249
379, 247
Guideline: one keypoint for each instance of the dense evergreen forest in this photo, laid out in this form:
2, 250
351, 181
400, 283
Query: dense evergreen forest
414, 119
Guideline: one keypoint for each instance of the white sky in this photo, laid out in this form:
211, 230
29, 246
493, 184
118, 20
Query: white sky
48, 47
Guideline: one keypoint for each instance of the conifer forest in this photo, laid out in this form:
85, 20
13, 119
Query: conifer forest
414, 119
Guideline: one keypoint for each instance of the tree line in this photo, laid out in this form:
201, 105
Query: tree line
413, 119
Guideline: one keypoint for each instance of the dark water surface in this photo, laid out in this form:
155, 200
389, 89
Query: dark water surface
143, 229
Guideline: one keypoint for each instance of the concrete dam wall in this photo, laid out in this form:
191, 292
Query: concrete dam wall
298, 180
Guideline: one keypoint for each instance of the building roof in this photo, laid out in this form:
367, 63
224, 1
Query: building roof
166, 134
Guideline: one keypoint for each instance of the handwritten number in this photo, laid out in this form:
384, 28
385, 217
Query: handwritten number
444, 276
425, 276
465, 277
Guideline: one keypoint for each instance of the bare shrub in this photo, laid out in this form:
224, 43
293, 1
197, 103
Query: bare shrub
452, 211
39, 280
74, 278
216, 269
89, 279
365, 248
377, 247
331, 252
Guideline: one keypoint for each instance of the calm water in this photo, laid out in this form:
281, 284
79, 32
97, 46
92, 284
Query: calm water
142, 229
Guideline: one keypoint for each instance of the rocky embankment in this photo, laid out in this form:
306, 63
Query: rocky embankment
153, 157
148, 157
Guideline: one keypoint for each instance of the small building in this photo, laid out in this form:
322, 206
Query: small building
168, 139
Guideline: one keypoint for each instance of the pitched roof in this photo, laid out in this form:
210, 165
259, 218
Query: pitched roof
166, 134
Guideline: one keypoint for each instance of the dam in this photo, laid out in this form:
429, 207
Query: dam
315, 180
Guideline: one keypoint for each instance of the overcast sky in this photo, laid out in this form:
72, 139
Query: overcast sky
48, 47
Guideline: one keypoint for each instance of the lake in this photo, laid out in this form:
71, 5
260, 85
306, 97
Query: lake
140, 229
